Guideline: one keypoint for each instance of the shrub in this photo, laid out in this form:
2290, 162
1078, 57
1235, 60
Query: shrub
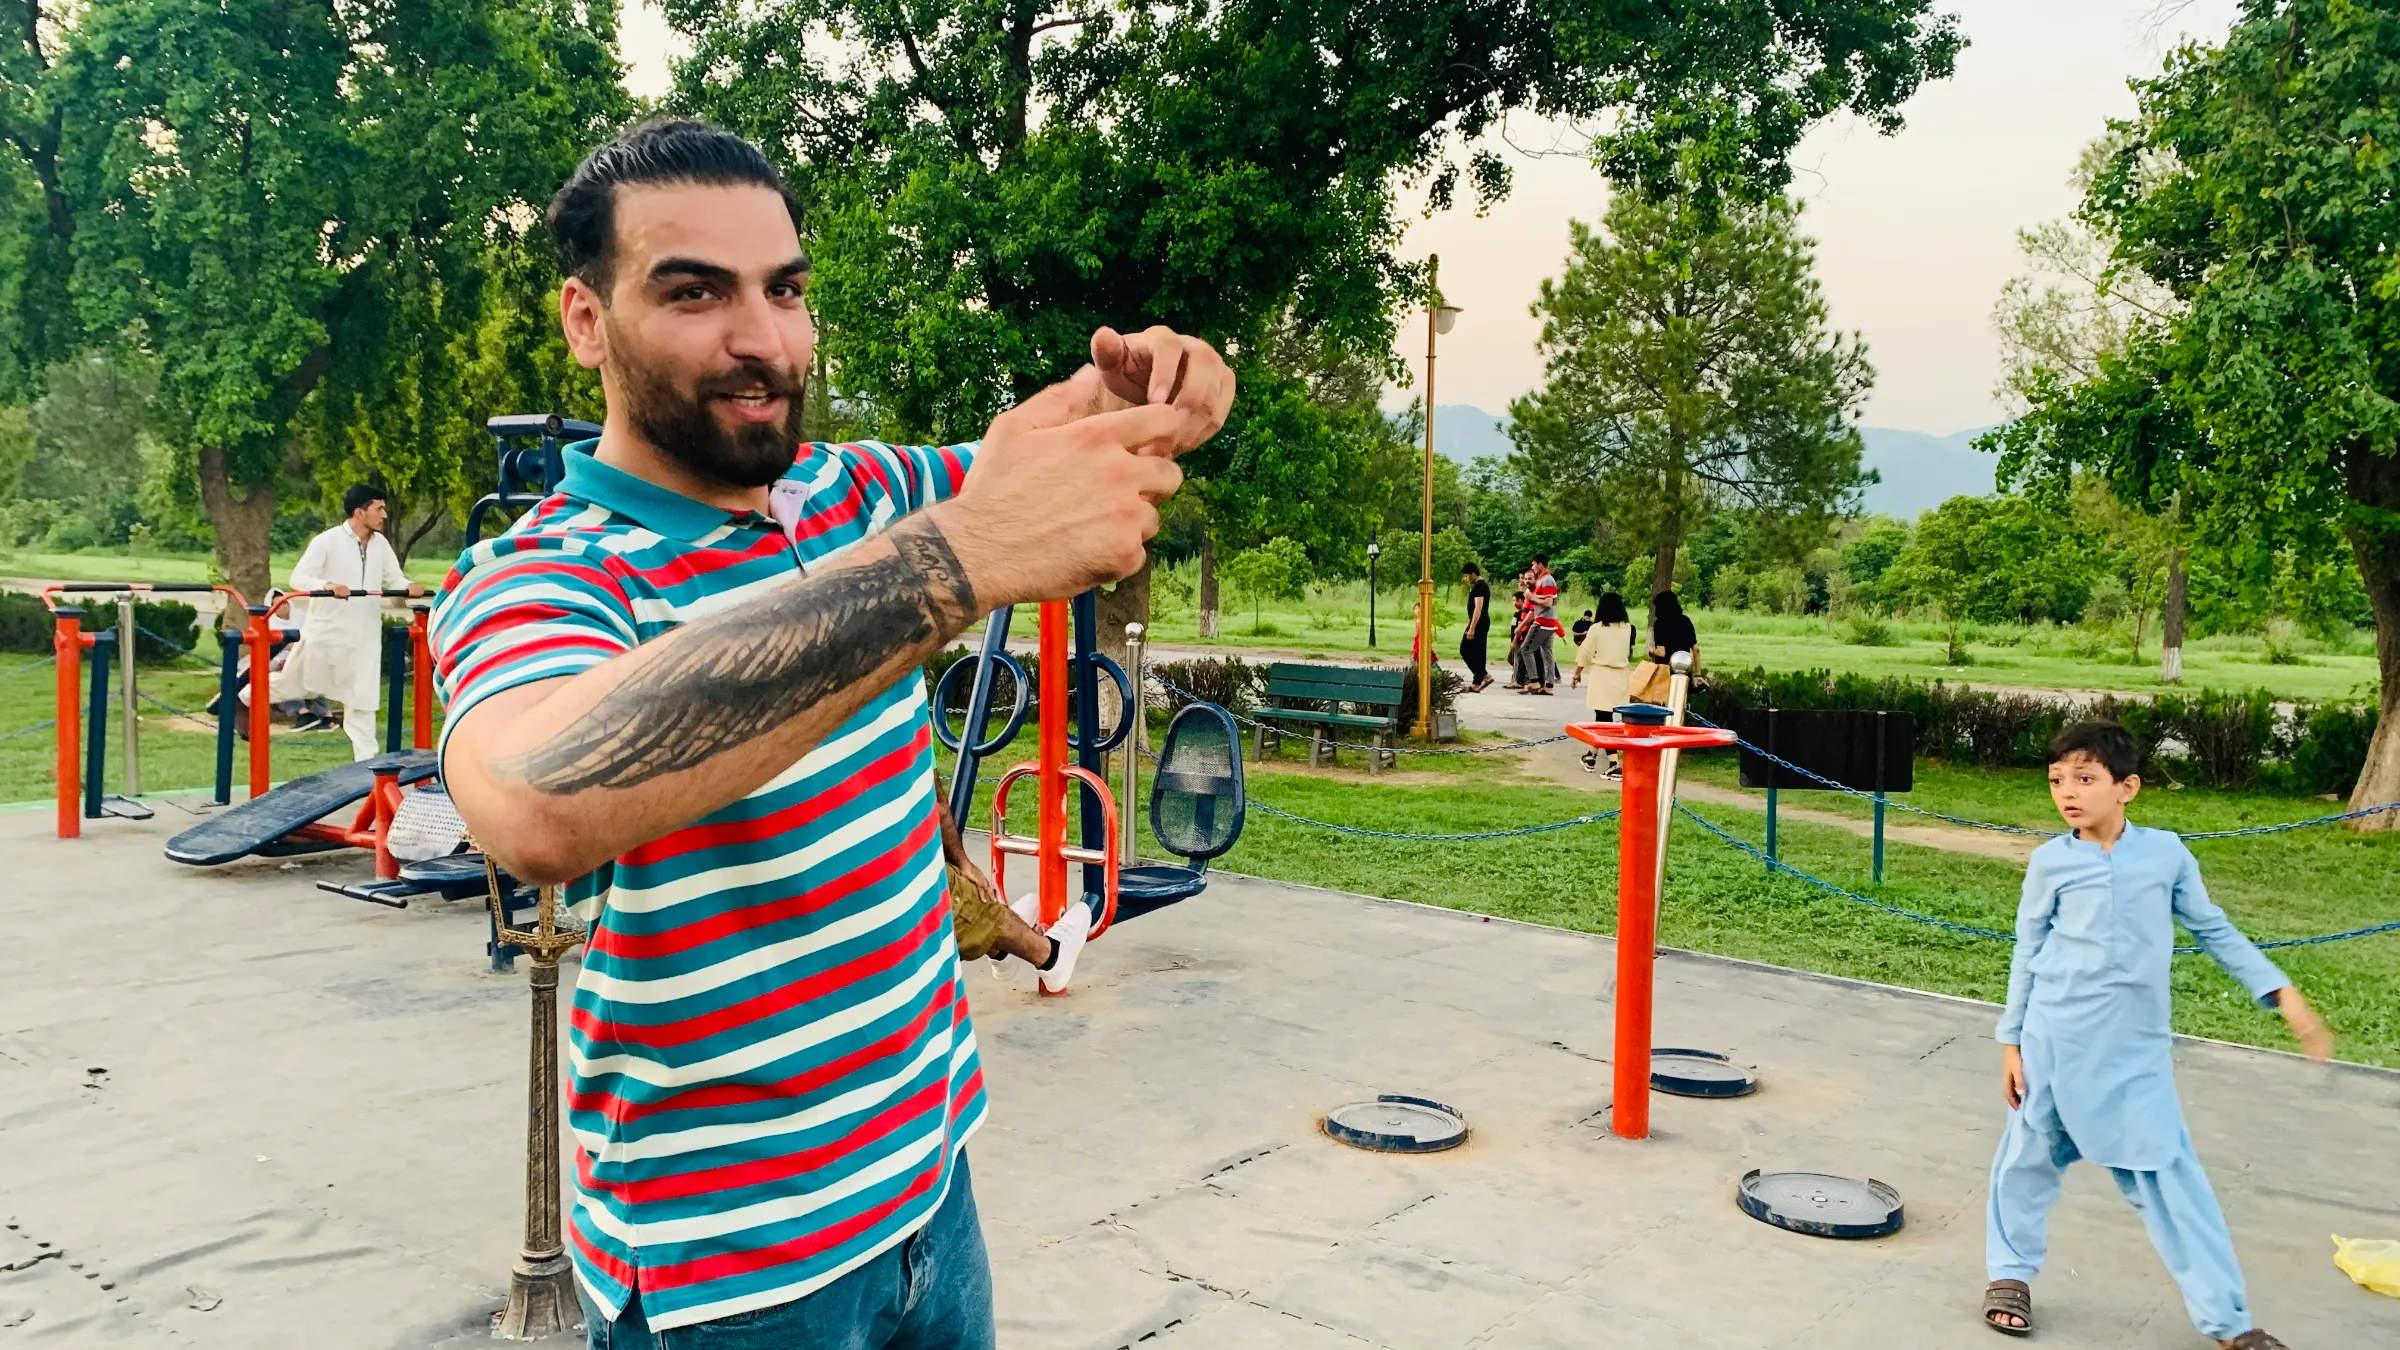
26, 625
1865, 630
1227, 681
2326, 748
1446, 684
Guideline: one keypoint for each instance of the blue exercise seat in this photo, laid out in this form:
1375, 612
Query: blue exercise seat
1196, 810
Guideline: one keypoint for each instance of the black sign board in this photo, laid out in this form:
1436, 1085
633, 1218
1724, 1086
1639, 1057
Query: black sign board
1869, 751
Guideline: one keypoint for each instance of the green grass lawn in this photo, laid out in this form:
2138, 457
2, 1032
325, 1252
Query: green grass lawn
1721, 901
1333, 624
171, 759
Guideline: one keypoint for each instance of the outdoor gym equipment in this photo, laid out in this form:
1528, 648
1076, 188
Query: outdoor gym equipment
291, 819
532, 453
1051, 773
78, 780
1196, 810
1070, 688
1643, 738
260, 637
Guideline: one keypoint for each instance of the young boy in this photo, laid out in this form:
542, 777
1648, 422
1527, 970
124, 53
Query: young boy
2084, 1040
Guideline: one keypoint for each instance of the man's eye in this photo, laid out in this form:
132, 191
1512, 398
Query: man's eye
689, 293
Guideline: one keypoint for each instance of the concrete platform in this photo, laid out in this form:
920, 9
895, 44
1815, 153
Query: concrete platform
308, 1133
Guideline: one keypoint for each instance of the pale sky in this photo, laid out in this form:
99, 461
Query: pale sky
1916, 232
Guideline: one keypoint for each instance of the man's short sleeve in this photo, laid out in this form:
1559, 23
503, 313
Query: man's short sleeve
531, 608
912, 477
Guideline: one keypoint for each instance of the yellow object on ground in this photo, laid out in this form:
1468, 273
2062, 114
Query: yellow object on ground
2373, 1262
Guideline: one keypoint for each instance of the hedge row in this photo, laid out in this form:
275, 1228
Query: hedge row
2213, 737
26, 625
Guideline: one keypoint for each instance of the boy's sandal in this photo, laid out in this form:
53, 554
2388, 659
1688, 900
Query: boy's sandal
2010, 1298
2254, 1339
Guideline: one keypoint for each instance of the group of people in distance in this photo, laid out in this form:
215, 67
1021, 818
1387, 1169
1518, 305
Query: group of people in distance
685, 687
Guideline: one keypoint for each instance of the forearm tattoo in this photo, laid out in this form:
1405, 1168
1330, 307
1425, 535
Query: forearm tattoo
731, 678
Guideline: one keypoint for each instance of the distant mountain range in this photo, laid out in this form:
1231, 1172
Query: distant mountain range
1918, 469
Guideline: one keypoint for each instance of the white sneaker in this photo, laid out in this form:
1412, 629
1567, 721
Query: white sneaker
1070, 932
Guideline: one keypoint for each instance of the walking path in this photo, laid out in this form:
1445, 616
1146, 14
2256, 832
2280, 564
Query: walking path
239, 1112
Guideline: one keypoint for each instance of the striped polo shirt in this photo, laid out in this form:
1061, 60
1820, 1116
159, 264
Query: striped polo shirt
771, 1064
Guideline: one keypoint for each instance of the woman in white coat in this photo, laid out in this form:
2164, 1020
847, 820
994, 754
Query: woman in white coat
1600, 664
340, 655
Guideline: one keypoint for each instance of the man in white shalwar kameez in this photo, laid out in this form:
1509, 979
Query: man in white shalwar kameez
340, 655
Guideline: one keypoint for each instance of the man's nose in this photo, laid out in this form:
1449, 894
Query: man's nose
756, 331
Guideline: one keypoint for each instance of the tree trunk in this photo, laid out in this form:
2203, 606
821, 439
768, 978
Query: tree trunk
240, 524
2373, 481
1208, 584
1662, 562
2170, 655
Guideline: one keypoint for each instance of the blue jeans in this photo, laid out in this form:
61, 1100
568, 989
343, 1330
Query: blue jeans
931, 1292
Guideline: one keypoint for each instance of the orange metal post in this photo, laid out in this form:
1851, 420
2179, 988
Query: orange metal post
1637, 940
261, 637
67, 643
1637, 900
420, 665
1051, 829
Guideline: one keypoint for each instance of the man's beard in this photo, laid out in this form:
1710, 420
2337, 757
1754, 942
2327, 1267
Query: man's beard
684, 429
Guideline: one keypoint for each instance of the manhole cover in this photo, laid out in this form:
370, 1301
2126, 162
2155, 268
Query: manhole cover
1820, 1205
1699, 1073
1395, 1124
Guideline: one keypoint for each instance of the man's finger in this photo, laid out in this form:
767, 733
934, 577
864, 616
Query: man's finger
1055, 406
1169, 353
1131, 429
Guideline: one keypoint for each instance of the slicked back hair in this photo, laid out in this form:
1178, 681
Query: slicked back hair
2112, 745
583, 216
360, 497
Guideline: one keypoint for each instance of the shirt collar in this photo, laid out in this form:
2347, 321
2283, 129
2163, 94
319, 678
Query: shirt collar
654, 508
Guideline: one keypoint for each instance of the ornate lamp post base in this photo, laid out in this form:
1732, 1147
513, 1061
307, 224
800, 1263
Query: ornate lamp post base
541, 1288
541, 1300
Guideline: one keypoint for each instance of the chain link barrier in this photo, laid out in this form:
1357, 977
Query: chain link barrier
1180, 692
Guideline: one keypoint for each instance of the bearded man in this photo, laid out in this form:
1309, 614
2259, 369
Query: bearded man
686, 685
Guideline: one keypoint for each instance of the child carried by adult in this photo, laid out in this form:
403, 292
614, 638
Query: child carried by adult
2085, 1041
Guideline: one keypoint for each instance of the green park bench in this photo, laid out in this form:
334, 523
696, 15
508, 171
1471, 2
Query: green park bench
1375, 692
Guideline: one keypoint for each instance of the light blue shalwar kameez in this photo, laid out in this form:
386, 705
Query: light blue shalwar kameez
2087, 1005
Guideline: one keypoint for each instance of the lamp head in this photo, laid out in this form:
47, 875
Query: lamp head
1445, 318
1374, 550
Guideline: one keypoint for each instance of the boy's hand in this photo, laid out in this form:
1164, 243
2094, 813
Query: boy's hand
2316, 1041
2012, 1075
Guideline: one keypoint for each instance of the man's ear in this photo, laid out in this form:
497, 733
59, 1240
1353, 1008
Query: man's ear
581, 317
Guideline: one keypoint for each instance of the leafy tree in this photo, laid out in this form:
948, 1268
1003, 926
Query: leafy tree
1505, 526
279, 200
1992, 560
1275, 570
2258, 185
1691, 369
1867, 559
991, 181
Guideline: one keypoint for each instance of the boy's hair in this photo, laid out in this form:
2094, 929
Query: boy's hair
360, 498
2112, 745
583, 216
1470, 570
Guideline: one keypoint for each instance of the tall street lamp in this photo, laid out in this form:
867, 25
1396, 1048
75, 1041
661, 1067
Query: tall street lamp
1439, 318
1374, 551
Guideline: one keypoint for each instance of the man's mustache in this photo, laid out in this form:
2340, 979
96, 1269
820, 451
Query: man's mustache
751, 377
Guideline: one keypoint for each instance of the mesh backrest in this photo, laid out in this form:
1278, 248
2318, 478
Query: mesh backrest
425, 825
1196, 794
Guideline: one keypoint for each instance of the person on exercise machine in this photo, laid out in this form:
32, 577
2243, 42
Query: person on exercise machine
707, 722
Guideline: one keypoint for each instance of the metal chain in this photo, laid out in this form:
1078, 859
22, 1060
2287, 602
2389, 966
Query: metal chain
27, 731
1516, 833
1778, 865
1173, 688
2311, 822
29, 669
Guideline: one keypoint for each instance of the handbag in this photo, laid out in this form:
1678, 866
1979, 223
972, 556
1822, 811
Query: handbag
1649, 683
